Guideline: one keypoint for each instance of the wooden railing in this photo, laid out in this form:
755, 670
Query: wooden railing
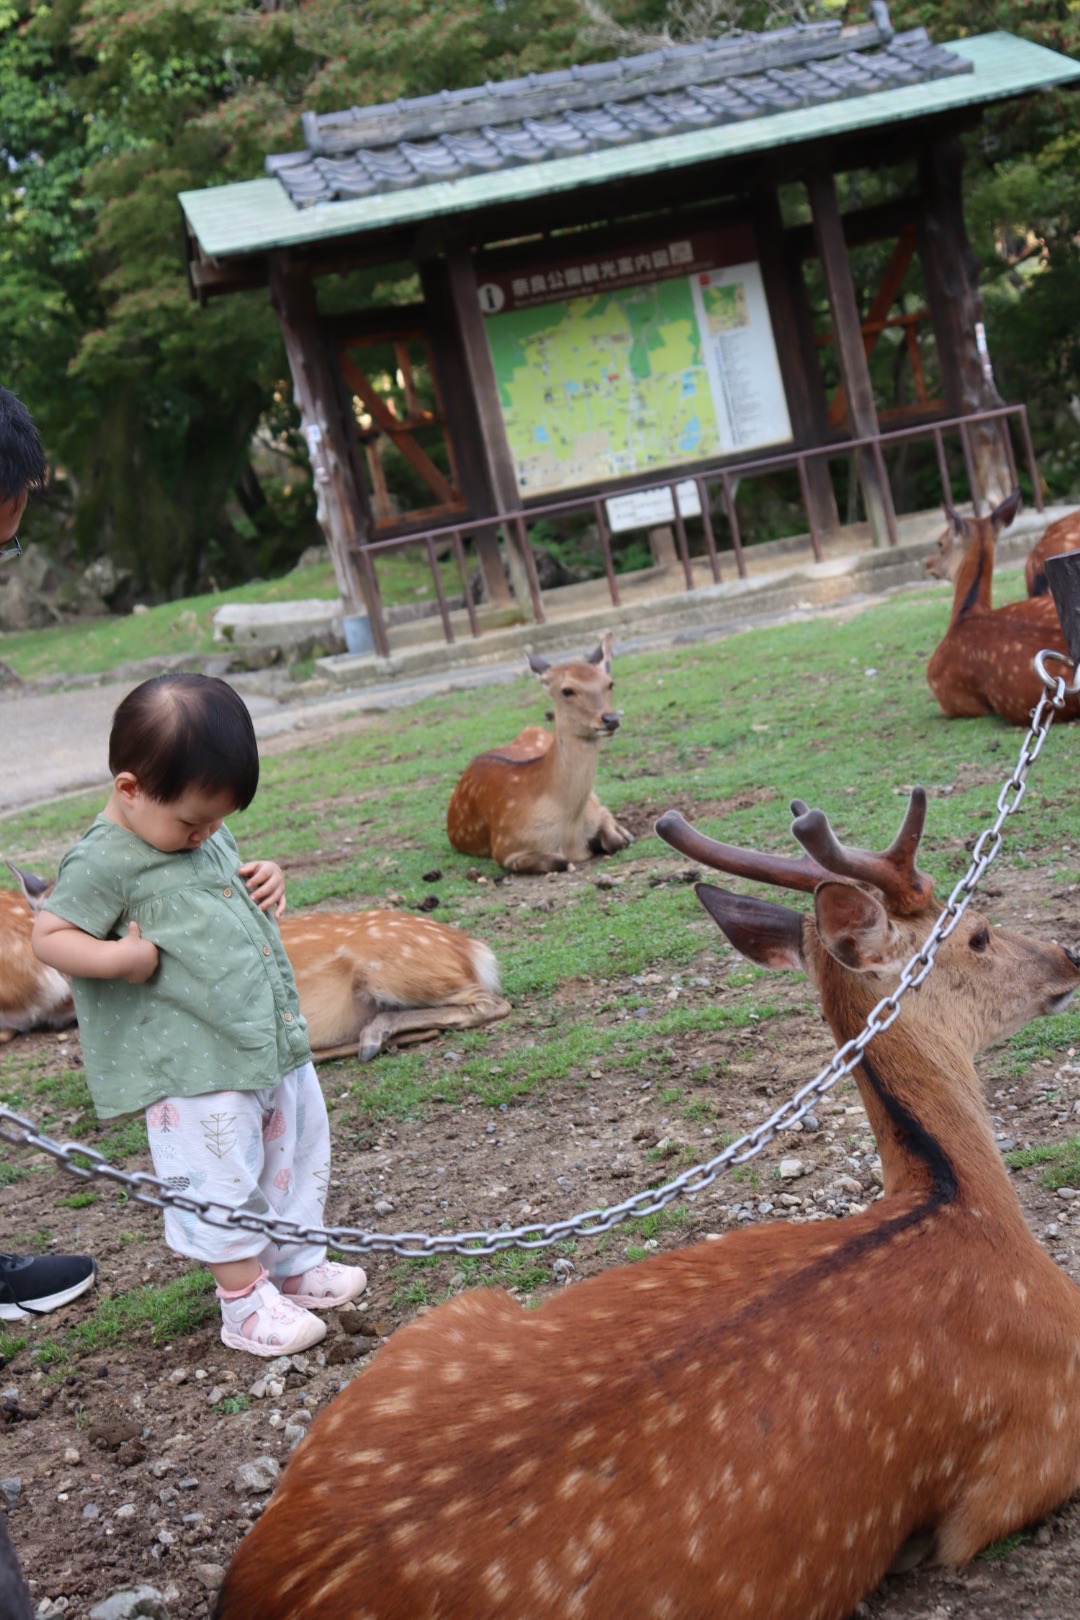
452, 537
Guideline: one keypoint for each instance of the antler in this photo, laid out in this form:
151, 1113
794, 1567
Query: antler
892, 871
785, 871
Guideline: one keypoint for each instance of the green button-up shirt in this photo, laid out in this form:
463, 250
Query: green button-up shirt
219, 1013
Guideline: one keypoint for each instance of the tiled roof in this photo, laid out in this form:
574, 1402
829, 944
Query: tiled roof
370, 151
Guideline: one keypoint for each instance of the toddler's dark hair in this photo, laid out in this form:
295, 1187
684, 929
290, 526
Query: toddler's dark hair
177, 732
22, 464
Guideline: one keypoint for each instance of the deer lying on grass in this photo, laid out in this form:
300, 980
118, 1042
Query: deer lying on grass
985, 663
32, 996
753, 1428
1058, 538
364, 977
531, 805
368, 977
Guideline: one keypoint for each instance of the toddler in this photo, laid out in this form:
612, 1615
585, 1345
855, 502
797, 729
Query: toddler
188, 1008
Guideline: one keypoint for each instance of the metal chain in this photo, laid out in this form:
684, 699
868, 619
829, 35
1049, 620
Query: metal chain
145, 1188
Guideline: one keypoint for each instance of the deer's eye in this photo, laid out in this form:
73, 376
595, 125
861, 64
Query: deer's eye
980, 939
568, 691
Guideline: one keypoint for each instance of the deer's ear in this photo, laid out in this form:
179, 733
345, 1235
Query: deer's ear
602, 654
538, 665
855, 928
1003, 515
34, 888
761, 930
956, 522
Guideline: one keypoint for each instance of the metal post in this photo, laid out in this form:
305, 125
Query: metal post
733, 524
459, 553
530, 568
1029, 450
804, 485
680, 539
706, 523
943, 468
605, 546
444, 610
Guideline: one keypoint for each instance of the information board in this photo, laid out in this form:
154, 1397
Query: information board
659, 357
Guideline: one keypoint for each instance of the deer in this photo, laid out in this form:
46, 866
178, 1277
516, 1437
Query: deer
32, 996
1061, 536
370, 978
365, 979
530, 805
985, 662
758, 1426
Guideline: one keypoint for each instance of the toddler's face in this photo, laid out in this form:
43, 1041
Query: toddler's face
184, 823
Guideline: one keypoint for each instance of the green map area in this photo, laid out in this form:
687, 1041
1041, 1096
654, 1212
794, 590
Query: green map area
603, 386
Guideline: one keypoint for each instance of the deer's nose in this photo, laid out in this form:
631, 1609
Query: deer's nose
1074, 957
610, 722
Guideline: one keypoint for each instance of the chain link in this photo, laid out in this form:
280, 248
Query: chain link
144, 1188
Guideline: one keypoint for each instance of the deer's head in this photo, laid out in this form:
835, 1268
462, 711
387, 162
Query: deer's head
872, 913
959, 531
581, 693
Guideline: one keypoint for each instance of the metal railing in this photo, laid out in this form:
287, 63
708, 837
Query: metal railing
452, 537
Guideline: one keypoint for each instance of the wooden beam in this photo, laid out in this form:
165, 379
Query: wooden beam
952, 289
847, 325
494, 445
338, 506
891, 278
804, 388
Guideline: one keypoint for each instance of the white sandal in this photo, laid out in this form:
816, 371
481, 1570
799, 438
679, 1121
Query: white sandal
328, 1285
275, 1324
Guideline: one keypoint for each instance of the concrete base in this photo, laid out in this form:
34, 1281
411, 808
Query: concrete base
782, 579
279, 624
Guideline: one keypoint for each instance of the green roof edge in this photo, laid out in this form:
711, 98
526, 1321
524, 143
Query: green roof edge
256, 216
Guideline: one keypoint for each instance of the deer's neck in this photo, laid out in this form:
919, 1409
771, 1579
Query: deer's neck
571, 767
975, 580
924, 1103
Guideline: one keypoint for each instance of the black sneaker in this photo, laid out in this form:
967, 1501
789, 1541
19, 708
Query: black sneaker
42, 1282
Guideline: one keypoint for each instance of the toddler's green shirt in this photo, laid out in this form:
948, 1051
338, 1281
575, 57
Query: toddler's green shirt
220, 1012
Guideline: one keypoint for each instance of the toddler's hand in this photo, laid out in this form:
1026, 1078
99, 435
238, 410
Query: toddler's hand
140, 956
266, 885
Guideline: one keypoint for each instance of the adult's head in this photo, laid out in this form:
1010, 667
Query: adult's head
23, 469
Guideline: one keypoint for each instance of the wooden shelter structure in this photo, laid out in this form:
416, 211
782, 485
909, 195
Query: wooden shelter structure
612, 307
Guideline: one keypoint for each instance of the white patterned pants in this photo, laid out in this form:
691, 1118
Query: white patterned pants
259, 1152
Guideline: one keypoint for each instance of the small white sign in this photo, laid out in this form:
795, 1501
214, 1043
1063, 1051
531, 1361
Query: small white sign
648, 507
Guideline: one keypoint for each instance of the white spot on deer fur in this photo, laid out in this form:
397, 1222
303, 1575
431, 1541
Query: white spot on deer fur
543, 1581
496, 1580
1058, 1415
444, 1563
402, 1534
365, 1459
442, 1475
1020, 1291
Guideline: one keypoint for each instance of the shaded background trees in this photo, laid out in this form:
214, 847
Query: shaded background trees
157, 410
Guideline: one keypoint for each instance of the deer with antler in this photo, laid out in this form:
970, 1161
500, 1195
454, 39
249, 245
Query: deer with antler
365, 978
1059, 537
530, 805
756, 1427
985, 662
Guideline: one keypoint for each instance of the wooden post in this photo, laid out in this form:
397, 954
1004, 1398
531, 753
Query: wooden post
847, 325
952, 289
499, 462
293, 294
462, 420
804, 387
